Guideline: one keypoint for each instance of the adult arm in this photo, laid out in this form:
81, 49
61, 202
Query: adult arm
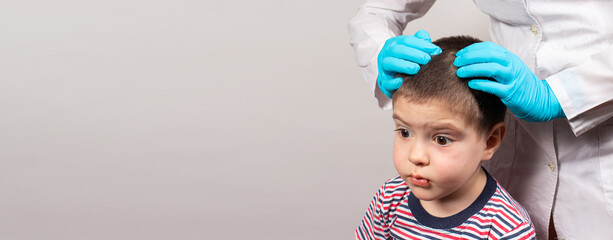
585, 91
377, 21
582, 93
582, 86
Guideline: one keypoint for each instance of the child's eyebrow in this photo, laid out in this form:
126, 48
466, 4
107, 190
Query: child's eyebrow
444, 125
396, 117
433, 125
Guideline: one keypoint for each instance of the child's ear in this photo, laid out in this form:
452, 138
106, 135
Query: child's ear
493, 140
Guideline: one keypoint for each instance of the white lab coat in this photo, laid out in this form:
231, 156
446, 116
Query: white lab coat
562, 167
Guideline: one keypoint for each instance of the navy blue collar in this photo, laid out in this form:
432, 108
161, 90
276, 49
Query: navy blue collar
456, 220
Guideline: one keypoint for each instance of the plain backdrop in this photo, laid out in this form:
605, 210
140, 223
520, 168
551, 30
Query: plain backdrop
185, 119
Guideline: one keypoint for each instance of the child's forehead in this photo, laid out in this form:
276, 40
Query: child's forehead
433, 109
432, 105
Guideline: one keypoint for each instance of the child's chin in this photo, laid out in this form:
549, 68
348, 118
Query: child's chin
424, 196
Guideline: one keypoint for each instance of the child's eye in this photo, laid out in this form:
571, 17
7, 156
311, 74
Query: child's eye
440, 140
404, 133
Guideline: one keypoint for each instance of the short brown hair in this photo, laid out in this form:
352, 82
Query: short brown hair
437, 81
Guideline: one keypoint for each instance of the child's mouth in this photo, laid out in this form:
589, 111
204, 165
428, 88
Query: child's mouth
419, 181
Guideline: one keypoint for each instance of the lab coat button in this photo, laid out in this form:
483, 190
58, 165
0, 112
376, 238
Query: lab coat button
534, 29
552, 166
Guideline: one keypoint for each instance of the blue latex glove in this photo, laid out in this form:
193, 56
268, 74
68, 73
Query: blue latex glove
527, 96
403, 54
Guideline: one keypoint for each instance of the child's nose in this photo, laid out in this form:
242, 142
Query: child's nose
418, 154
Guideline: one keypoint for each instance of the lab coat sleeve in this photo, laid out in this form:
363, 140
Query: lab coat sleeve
376, 22
585, 91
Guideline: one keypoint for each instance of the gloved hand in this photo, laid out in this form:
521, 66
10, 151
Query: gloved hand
403, 54
527, 96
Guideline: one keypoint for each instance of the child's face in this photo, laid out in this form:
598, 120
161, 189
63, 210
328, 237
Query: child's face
436, 152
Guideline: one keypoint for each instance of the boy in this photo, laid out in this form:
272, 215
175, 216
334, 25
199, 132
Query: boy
444, 130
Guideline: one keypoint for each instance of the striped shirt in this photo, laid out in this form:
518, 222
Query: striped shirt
395, 213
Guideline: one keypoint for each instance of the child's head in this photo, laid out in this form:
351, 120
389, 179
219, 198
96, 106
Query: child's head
437, 82
444, 129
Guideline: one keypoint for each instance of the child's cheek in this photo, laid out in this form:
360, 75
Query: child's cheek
400, 158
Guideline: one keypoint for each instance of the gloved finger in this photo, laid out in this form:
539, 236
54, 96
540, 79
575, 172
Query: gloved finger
392, 84
496, 71
424, 35
420, 44
409, 54
388, 94
482, 45
482, 56
397, 65
488, 86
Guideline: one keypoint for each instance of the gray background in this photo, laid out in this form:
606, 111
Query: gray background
187, 119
